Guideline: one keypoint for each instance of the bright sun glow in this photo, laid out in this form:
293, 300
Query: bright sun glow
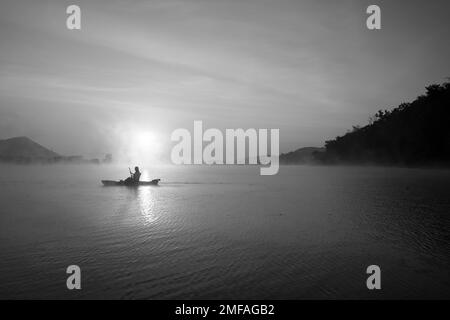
138, 146
144, 146
143, 140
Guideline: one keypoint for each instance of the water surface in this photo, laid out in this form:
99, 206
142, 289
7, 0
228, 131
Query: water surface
225, 232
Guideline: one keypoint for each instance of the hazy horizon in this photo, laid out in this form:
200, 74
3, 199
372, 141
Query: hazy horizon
139, 70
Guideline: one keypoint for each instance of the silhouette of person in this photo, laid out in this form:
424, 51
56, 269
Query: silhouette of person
134, 177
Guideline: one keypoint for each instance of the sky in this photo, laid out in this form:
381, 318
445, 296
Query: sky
138, 70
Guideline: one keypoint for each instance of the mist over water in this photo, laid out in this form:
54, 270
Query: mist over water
224, 232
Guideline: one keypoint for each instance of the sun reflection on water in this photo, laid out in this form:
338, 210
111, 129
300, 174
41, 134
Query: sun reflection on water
147, 205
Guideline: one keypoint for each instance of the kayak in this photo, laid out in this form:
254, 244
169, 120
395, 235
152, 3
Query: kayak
110, 183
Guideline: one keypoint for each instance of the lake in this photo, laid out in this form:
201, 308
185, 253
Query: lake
225, 232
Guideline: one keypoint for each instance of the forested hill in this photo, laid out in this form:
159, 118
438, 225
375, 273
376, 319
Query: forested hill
416, 133
24, 148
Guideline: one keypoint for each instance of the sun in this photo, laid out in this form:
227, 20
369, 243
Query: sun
137, 145
143, 146
144, 139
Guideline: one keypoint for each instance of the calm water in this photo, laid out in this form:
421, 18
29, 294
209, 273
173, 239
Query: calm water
225, 232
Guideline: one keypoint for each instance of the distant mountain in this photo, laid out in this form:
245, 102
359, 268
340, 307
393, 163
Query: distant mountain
24, 148
301, 156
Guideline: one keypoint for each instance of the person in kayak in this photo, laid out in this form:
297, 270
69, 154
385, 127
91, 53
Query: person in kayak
134, 176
